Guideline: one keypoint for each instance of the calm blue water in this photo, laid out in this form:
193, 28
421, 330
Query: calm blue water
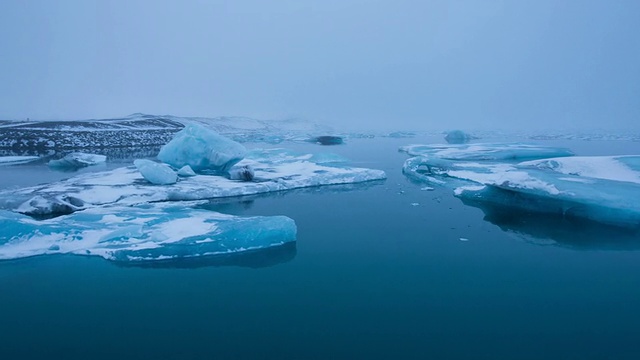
371, 276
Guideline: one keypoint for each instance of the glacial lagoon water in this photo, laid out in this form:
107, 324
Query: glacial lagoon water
386, 269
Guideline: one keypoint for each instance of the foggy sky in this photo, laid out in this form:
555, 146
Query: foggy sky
368, 64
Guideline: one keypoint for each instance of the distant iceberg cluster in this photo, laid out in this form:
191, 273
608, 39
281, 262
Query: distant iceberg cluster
149, 211
551, 181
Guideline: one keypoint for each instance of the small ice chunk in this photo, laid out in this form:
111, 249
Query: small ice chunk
327, 140
50, 205
77, 160
415, 204
464, 239
156, 173
186, 171
426, 188
243, 173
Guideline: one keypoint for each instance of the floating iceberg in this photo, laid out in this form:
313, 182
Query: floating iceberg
15, 160
274, 170
541, 186
327, 140
144, 233
202, 149
77, 160
156, 173
458, 137
486, 152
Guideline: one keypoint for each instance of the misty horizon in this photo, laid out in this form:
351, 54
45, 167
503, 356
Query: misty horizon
357, 65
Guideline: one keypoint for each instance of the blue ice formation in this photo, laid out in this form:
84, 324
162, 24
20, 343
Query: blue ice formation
15, 160
144, 233
156, 173
77, 160
274, 170
458, 137
486, 151
601, 189
202, 149
186, 171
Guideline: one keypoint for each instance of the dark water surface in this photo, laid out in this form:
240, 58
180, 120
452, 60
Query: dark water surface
373, 275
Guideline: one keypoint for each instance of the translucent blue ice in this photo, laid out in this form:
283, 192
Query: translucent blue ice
202, 149
156, 173
77, 160
144, 233
186, 171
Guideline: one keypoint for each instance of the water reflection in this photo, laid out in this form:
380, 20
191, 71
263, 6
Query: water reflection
254, 259
238, 204
544, 229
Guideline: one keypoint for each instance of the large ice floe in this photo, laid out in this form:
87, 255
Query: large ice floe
486, 151
274, 170
149, 211
600, 189
148, 232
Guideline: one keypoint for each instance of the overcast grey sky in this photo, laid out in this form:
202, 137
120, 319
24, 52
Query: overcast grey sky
390, 64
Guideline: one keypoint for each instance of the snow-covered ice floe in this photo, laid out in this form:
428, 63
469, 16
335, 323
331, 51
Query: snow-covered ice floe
620, 168
601, 189
486, 151
274, 170
15, 160
149, 232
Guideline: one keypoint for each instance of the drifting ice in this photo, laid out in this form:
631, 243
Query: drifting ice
156, 173
77, 160
486, 152
274, 170
148, 232
602, 189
